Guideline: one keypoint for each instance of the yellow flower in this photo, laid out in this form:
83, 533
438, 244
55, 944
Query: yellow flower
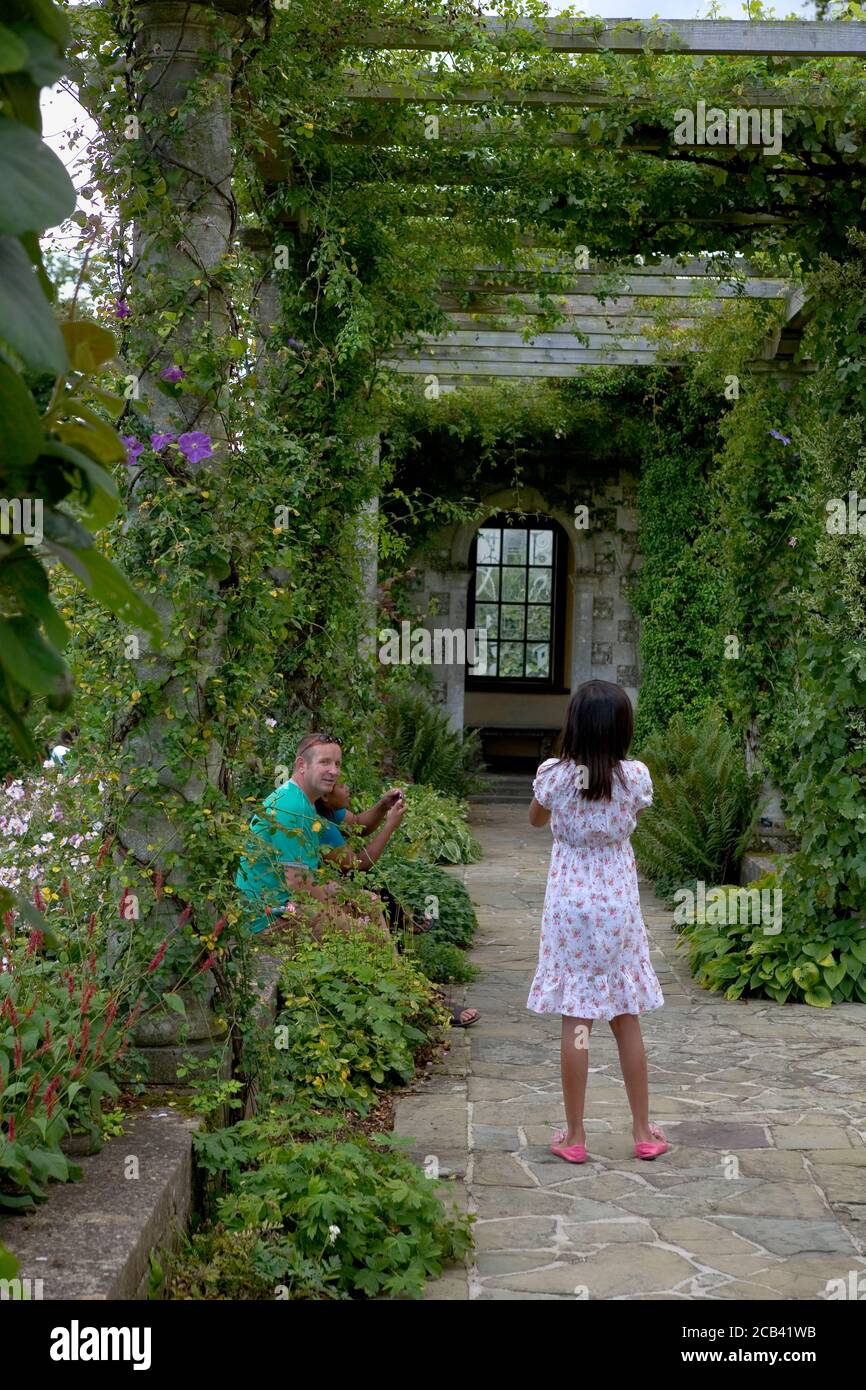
317, 825
136, 695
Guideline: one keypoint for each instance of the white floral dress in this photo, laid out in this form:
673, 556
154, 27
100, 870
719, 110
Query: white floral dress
593, 961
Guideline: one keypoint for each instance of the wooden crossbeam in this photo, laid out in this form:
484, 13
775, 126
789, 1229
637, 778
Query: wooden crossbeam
590, 95
553, 262
492, 134
650, 286
797, 38
467, 344
521, 367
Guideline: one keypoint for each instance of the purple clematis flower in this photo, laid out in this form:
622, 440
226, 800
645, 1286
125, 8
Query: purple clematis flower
173, 373
133, 447
159, 441
121, 309
782, 438
195, 446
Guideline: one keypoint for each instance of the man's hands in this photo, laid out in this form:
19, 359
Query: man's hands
396, 810
392, 797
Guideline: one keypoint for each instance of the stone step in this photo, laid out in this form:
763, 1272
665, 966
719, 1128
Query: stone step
503, 787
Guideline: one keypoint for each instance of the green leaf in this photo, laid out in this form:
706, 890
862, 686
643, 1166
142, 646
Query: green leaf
92, 435
88, 344
18, 732
28, 659
807, 976
819, 997
109, 586
100, 1083
52, 20
24, 584
8, 1263
858, 949
21, 433
100, 501
44, 62
13, 52
833, 975
27, 322
35, 190
175, 1003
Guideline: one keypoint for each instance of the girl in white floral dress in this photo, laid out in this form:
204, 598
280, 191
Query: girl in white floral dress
593, 959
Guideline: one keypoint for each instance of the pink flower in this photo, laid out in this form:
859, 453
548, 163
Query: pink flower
159, 441
173, 373
121, 309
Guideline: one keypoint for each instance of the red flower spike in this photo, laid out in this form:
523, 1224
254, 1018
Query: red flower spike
104, 848
157, 960
38, 899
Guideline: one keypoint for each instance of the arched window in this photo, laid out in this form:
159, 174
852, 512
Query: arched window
517, 592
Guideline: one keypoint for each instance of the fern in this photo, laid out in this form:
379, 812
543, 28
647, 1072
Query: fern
426, 749
704, 805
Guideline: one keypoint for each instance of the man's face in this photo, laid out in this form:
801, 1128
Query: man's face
319, 772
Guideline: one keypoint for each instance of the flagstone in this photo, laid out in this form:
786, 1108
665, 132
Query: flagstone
809, 1137
774, 1095
517, 1233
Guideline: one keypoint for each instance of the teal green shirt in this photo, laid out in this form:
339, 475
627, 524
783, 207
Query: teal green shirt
289, 830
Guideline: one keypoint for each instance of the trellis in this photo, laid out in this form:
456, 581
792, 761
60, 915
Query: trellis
604, 314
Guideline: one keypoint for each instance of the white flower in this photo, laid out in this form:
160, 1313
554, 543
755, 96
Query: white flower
97, 825
16, 791
333, 1232
46, 838
271, 723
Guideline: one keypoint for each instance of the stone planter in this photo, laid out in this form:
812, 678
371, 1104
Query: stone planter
166, 1040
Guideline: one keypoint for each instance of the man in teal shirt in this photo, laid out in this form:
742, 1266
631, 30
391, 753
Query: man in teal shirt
289, 835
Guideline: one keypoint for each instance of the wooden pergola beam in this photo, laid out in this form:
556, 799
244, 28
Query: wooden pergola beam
650, 286
730, 37
590, 95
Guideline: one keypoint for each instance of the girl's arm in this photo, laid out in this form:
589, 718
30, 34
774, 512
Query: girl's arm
538, 815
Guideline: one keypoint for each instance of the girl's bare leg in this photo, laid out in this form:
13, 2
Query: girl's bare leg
574, 1064
632, 1060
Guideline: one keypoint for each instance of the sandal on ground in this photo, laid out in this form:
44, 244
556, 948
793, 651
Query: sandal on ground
647, 1150
572, 1153
457, 1010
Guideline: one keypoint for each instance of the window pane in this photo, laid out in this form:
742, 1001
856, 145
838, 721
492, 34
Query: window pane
513, 585
488, 545
492, 659
538, 622
539, 586
487, 582
511, 659
538, 659
512, 621
541, 548
514, 547
487, 615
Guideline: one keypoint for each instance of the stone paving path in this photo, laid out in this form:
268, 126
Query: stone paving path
763, 1195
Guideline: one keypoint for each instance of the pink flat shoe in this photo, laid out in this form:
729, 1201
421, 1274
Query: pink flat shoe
572, 1153
647, 1150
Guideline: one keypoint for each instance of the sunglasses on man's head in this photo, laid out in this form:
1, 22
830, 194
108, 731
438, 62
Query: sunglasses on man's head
326, 738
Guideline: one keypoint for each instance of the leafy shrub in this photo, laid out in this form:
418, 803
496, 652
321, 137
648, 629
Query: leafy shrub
704, 804
353, 1016
743, 958
58, 1031
427, 890
426, 749
443, 962
435, 824
316, 1217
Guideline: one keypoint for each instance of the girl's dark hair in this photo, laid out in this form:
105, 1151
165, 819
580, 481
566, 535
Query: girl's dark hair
323, 809
596, 735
